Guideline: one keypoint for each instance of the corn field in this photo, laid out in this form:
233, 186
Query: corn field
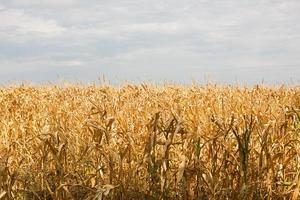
149, 142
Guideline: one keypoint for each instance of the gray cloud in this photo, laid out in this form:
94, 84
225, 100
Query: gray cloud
157, 40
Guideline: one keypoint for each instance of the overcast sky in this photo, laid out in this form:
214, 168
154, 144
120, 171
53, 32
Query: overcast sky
140, 40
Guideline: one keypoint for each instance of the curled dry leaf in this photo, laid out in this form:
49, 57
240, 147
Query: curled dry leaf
3, 194
181, 168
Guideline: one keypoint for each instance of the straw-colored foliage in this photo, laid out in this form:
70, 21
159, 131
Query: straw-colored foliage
149, 142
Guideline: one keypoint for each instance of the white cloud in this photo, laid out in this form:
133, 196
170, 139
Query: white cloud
170, 27
41, 3
72, 63
18, 22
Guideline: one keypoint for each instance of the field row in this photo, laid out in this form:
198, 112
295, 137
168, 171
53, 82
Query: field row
149, 142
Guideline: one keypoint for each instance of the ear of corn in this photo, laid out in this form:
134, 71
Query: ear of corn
149, 142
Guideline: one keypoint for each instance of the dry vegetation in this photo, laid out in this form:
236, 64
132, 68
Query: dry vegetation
149, 142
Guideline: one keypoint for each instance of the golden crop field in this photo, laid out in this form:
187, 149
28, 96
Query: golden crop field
149, 142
